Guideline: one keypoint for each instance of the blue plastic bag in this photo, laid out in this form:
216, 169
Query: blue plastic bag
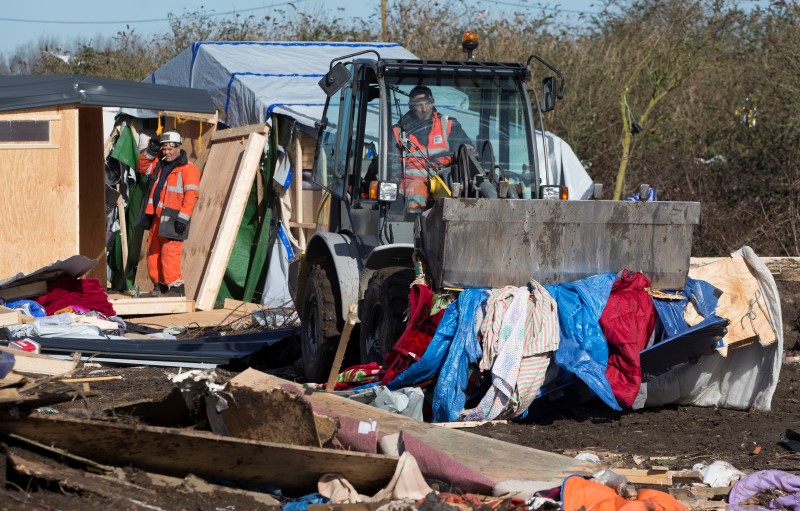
583, 349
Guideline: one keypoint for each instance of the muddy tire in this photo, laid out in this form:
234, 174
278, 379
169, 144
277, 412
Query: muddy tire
383, 313
318, 317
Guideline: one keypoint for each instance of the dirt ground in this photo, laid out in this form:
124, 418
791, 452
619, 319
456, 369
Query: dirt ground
672, 436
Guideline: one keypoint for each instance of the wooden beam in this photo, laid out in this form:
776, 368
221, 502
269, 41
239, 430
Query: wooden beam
240, 132
493, 458
352, 318
231, 219
193, 116
177, 452
142, 306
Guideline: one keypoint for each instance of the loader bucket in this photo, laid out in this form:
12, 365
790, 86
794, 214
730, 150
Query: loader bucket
495, 243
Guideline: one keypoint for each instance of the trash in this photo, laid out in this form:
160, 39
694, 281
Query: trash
588, 456
28, 345
719, 474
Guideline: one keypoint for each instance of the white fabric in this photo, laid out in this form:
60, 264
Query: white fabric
276, 292
248, 80
745, 379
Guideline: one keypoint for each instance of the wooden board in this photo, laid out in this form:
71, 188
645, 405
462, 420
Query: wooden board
493, 458
232, 311
742, 302
232, 216
782, 268
91, 190
9, 316
176, 452
127, 306
40, 217
215, 186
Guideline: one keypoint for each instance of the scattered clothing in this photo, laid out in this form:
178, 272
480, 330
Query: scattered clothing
781, 488
70, 292
627, 321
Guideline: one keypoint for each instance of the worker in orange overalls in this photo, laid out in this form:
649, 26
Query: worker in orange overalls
430, 143
173, 190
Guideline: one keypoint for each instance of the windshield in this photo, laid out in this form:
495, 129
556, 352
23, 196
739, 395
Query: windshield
431, 117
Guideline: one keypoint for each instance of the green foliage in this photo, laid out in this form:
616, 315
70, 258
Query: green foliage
715, 88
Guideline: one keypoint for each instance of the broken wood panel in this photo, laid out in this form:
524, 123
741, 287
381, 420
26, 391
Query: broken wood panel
144, 306
742, 303
35, 232
495, 459
782, 268
294, 469
215, 185
67, 477
232, 215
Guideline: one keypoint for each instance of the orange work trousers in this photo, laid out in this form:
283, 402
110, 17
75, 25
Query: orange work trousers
163, 258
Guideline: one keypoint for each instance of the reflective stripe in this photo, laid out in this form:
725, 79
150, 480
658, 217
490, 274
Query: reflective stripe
183, 216
191, 187
175, 189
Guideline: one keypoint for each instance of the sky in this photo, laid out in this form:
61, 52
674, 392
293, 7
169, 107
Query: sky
22, 23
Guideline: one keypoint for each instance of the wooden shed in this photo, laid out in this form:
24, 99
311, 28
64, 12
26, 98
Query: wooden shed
52, 163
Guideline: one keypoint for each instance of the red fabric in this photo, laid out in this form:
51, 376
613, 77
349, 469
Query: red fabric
68, 291
416, 337
627, 322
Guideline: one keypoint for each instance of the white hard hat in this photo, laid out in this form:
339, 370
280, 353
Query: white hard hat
171, 136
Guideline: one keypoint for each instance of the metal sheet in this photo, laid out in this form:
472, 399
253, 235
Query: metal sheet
495, 243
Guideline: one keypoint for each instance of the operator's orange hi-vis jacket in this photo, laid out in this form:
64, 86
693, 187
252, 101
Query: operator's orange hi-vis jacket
181, 190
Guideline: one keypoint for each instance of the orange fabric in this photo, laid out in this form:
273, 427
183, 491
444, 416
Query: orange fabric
163, 258
188, 176
581, 494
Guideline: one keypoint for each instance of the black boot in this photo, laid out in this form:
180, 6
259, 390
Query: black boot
158, 291
178, 290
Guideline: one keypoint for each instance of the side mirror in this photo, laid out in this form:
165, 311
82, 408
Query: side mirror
334, 79
549, 93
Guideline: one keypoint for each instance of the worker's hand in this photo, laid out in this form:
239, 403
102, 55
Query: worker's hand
180, 226
154, 146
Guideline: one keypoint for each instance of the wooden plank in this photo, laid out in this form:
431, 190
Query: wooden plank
200, 319
493, 458
352, 318
231, 219
240, 132
214, 188
645, 476
9, 316
469, 424
202, 486
194, 116
149, 306
176, 452
32, 290
46, 365
742, 303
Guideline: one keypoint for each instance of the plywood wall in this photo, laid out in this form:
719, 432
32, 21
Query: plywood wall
91, 189
39, 206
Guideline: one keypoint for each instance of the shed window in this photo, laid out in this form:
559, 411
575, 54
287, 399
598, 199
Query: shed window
25, 131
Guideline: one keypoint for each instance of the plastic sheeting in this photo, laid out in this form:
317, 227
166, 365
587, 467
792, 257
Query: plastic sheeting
249, 80
452, 349
583, 349
745, 379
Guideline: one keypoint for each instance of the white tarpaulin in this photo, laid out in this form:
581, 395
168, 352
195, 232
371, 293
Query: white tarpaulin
248, 80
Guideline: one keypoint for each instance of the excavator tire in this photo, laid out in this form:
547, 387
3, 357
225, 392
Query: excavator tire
383, 313
318, 319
